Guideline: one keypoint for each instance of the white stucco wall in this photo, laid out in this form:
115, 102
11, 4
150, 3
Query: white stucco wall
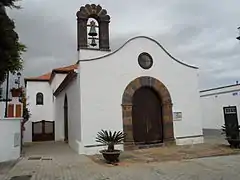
59, 117
57, 80
38, 112
27, 133
74, 124
88, 54
2, 109
103, 82
212, 103
10, 139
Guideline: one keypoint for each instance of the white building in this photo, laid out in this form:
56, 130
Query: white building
14, 107
214, 100
140, 89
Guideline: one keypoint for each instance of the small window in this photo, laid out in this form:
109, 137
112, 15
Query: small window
230, 110
145, 60
39, 98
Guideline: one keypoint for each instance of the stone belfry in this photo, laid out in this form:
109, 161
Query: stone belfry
93, 28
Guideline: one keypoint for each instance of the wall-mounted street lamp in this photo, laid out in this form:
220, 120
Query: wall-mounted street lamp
17, 81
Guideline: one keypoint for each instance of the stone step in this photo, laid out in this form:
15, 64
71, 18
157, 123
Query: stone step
142, 146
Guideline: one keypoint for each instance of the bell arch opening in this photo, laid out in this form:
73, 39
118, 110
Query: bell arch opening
165, 118
102, 18
93, 33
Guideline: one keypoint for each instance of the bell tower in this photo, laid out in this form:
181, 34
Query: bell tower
93, 28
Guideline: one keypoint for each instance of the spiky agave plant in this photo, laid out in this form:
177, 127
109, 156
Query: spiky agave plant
231, 131
110, 138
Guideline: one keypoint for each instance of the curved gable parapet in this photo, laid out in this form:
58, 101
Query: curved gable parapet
173, 58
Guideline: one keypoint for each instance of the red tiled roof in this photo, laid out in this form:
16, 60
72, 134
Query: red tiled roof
49, 76
44, 77
66, 68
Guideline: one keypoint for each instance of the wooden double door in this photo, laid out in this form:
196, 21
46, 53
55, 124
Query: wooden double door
43, 131
147, 117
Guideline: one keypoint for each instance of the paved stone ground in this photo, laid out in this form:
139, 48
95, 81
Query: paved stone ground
58, 162
5, 167
215, 145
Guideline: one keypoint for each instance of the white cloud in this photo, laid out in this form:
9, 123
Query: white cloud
198, 32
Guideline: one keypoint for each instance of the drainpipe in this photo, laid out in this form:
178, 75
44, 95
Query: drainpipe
6, 98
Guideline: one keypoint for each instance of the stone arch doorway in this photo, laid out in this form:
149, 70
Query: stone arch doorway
146, 116
65, 119
163, 119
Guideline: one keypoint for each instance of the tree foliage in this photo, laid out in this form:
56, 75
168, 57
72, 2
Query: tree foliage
9, 3
26, 113
10, 47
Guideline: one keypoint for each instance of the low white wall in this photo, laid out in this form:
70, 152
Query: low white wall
10, 139
2, 109
212, 103
27, 133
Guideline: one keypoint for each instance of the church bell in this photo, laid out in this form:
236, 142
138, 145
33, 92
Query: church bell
92, 31
93, 43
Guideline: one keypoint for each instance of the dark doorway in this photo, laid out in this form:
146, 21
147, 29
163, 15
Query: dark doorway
231, 121
43, 131
147, 117
65, 119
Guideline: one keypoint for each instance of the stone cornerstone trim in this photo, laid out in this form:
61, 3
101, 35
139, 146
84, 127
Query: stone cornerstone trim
166, 107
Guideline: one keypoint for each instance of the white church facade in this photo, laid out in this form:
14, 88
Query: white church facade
140, 89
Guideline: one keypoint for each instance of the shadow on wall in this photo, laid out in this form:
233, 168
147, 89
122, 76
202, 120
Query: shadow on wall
212, 132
